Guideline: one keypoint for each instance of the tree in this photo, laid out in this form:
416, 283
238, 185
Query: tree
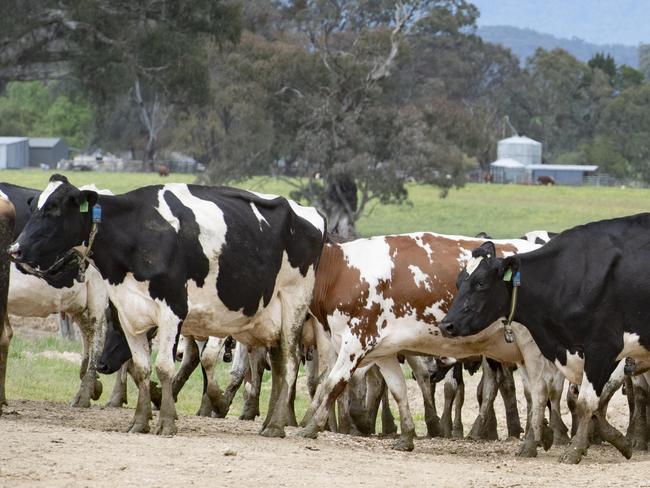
153, 49
350, 130
32, 109
624, 129
564, 99
604, 63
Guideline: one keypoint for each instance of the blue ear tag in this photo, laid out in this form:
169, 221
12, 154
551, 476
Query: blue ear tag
97, 213
83, 208
516, 280
507, 276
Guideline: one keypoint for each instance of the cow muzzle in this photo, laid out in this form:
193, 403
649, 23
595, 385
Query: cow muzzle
448, 329
15, 253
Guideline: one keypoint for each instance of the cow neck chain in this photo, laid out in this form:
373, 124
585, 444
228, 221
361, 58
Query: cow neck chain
507, 329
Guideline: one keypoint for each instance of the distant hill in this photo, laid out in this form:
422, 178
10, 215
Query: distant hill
523, 43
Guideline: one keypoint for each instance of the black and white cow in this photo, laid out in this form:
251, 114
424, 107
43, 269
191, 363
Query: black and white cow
215, 261
84, 301
584, 298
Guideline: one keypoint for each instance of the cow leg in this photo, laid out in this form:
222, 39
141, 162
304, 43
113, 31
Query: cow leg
481, 428
167, 335
352, 411
459, 400
5, 338
538, 392
86, 388
606, 430
141, 372
374, 390
257, 360
388, 426
294, 308
275, 358
330, 389
560, 430
191, 359
118, 395
209, 355
450, 389
92, 326
392, 373
628, 391
596, 374
640, 387
240, 370
421, 374
509, 395
571, 401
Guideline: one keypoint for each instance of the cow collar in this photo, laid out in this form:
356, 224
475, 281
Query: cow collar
516, 283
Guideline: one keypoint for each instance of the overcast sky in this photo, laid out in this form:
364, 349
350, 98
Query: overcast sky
596, 21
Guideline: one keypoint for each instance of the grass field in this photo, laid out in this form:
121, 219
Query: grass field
500, 210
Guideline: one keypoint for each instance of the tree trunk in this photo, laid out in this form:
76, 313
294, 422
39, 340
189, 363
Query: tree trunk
341, 205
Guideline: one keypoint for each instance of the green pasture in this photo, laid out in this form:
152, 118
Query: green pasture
500, 210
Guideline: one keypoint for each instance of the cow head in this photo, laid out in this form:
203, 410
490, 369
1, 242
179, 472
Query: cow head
483, 296
116, 349
60, 220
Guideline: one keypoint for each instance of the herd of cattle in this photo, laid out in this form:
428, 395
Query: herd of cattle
202, 267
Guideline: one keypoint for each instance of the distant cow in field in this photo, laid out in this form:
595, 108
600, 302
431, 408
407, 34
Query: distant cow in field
163, 170
546, 180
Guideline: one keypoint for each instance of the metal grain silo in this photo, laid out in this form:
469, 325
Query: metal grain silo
520, 148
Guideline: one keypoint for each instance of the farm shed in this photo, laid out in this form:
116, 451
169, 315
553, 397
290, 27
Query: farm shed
508, 170
47, 150
563, 174
14, 152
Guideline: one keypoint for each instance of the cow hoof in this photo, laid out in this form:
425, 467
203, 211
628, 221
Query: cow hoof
404, 444
80, 402
308, 433
639, 444
572, 455
547, 438
433, 428
97, 390
248, 415
561, 438
528, 449
138, 427
115, 403
271, 431
165, 427
204, 411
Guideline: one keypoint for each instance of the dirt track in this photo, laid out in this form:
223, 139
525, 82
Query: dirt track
49, 444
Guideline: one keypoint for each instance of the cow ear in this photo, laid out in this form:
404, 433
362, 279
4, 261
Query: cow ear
486, 250
88, 196
510, 263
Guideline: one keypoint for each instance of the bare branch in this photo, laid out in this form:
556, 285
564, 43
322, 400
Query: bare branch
404, 14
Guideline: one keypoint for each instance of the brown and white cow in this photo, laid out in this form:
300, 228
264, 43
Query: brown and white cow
385, 295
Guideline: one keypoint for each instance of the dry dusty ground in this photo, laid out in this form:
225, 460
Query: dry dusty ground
52, 445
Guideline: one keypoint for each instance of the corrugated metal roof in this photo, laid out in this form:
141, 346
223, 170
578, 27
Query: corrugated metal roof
43, 141
11, 140
521, 140
565, 167
507, 163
